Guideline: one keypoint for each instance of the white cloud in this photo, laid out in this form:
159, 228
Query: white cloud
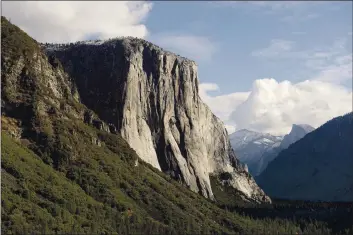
205, 87
231, 129
197, 48
273, 107
70, 21
221, 105
67, 21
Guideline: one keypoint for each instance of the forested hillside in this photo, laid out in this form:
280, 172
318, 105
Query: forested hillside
64, 171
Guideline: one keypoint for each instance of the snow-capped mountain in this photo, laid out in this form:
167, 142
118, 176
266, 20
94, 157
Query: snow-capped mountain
244, 136
249, 146
256, 149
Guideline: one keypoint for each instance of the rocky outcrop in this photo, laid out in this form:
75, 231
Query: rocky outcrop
244, 182
150, 96
297, 132
34, 87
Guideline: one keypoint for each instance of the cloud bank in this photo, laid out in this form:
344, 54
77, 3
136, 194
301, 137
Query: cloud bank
221, 105
273, 107
69, 21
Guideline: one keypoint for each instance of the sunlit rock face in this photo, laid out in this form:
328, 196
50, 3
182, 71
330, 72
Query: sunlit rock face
151, 97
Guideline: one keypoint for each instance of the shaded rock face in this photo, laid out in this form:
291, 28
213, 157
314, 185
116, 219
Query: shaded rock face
297, 132
151, 98
37, 95
29, 77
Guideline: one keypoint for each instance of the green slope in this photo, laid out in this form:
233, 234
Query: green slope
93, 194
60, 175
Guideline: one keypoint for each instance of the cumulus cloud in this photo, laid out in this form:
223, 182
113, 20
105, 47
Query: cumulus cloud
67, 21
230, 129
197, 48
273, 107
221, 105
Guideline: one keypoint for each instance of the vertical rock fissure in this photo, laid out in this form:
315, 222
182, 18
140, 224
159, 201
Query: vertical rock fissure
140, 88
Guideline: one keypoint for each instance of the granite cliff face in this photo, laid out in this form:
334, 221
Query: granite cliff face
297, 132
151, 97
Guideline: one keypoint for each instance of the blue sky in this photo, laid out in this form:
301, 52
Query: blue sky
236, 29
262, 66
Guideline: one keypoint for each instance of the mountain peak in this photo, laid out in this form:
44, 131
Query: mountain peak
151, 96
298, 131
257, 149
304, 127
249, 145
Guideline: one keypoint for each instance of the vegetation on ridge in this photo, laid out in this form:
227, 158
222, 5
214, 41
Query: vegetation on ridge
60, 175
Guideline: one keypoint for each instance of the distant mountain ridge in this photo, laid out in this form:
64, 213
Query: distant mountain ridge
249, 146
297, 132
244, 136
256, 149
317, 167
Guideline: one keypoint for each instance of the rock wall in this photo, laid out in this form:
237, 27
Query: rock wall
297, 132
151, 96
